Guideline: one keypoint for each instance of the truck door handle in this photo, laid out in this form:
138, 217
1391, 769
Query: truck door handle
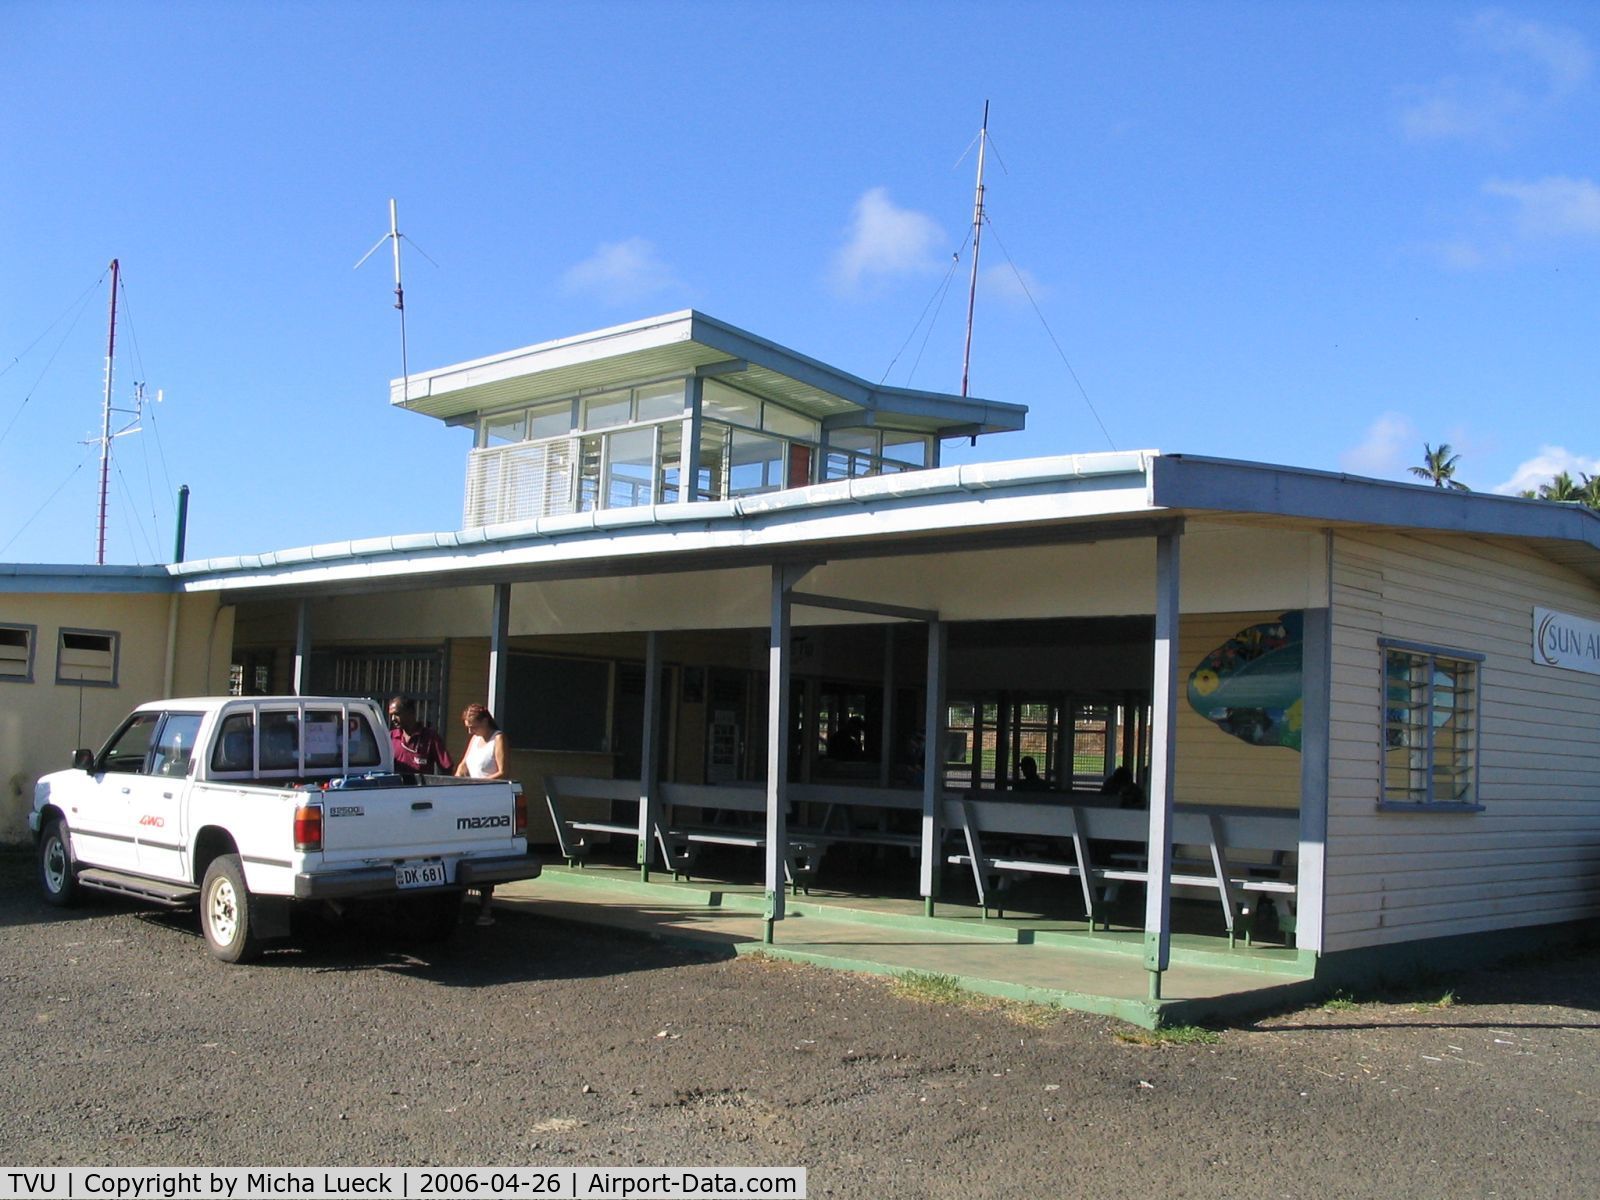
166, 795
125, 791
422, 806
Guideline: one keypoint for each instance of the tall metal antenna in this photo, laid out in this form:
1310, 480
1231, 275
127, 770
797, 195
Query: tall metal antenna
977, 239
394, 235
105, 421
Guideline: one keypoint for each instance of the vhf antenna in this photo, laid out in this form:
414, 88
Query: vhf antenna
394, 235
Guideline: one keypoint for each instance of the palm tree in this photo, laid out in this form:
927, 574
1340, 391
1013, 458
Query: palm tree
1560, 488
1589, 491
1439, 467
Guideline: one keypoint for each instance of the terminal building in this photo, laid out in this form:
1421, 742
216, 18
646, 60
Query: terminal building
738, 621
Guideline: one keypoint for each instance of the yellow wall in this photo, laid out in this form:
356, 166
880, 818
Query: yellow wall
42, 722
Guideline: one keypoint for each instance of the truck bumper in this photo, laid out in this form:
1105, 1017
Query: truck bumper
369, 882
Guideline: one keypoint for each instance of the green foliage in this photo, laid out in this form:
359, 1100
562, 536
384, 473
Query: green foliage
1439, 467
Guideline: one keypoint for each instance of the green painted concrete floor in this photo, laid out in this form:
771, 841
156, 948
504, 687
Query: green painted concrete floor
1024, 956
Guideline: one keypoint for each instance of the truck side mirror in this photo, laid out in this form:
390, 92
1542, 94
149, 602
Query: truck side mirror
83, 759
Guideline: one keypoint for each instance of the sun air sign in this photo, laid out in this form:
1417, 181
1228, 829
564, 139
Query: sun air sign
1562, 640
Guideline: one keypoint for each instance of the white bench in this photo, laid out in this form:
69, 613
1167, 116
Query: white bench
1205, 840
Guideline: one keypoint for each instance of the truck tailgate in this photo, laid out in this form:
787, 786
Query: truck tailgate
443, 817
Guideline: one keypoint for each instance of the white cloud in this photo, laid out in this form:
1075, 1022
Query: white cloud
1544, 466
620, 272
1552, 207
885, 241
1390, 443
1010, 286
1533, 68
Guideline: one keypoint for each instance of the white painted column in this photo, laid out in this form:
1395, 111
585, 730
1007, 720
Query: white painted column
1316, 671
1163, 746
650, 752
302, 647
936, 712
499, 651
778, 718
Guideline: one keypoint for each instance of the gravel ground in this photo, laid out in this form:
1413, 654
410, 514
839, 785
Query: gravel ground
532, 1043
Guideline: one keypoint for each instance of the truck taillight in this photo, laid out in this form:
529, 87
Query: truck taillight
308, 827
520, 821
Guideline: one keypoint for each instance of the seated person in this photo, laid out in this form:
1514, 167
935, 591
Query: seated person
1027, 779
1121, 785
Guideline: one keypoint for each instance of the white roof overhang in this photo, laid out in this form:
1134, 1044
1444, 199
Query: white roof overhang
681, 344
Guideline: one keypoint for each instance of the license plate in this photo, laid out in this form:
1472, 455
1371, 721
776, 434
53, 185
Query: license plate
419, 875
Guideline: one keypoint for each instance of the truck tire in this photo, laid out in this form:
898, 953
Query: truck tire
225, 911
58, 874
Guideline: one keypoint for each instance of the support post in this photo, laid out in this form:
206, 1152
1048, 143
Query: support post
1163, 741
935, 713
886, 734
689, 450
499, 653
1316, 672
649, 768
779, 662
302, 647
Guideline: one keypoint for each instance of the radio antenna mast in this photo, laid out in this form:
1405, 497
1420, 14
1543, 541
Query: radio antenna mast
105, 422
977, 239
394, 235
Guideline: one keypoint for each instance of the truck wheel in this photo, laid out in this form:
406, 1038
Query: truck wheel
432, 918
58, 874
225, 911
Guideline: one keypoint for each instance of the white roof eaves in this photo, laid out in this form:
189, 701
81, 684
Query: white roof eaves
922, 501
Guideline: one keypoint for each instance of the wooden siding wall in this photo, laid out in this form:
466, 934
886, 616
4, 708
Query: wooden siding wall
1214, 767
1533, 855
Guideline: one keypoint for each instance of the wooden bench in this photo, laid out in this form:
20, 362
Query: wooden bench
1204, 838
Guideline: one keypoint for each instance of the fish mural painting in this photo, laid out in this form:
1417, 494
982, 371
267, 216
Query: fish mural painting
1250, 686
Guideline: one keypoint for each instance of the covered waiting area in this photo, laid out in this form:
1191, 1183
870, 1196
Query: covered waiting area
1038, 541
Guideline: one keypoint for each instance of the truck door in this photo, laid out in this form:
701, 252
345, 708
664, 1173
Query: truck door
104, 826
158, 799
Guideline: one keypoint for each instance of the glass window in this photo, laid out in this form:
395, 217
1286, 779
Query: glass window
236, 744
910, 449
712, 474
505, 428
16, 652
657, 401
669, 466
363, 743
87, 656
129, 749
280, 741
589, 451
630, 472
777, 419
175, 745
550, 420
729, 404
324, 743
756, 464
1429, 740
857, 441
613, 408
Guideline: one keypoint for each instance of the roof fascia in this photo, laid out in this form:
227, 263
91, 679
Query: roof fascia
84, 579
1223, 485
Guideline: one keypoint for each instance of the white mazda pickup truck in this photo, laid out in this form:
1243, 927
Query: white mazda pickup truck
248, 806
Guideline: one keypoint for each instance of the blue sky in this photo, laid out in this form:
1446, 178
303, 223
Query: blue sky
1315, 234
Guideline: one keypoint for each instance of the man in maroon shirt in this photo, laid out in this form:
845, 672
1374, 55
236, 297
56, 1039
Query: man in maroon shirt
418, 748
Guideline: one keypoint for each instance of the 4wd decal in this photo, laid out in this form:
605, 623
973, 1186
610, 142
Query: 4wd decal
346, 810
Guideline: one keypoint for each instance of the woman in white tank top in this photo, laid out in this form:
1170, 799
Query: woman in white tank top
484, 758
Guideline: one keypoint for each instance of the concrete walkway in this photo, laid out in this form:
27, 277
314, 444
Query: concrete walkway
1022, 957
